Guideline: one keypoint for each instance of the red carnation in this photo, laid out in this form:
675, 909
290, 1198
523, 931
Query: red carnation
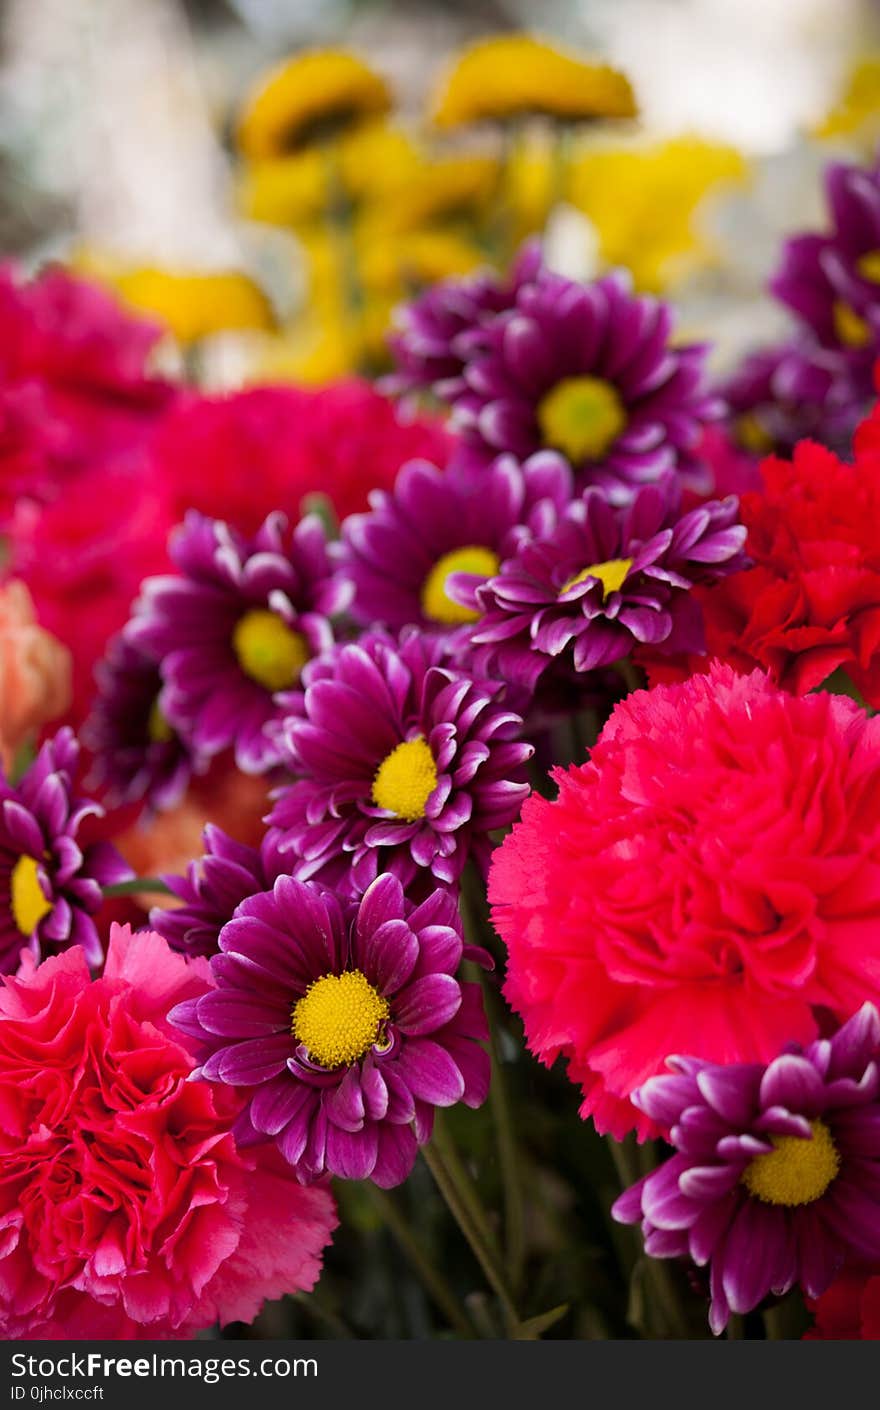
706, 882
849, 1310
240, 456
811, 602
126, 1209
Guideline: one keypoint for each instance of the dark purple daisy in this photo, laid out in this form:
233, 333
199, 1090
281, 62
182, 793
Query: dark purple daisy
403, 763
608, 578
432, 335
832, 281
137, 754
776, 1179
781, 395
437, 522
214, 885
345, 1024
589, 371
50, 880
235, 629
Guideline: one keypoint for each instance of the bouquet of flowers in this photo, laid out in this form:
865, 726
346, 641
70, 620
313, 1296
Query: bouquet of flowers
445, 808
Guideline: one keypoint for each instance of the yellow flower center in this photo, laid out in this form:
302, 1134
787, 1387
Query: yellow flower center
611, 575
798, 1171
869, 266
752, 435
849, 326
267, 650
436, 602
29, 902
582, 417
338, 1018
406, 779
158, 729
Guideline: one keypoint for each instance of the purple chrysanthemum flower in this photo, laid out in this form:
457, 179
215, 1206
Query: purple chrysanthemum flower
137, 754
236, 627
432, 334
214, 885
832, 281
789, 393
403, 764
437, 522
51, 882
589, 371
776, 1180
345, 1023
608, 578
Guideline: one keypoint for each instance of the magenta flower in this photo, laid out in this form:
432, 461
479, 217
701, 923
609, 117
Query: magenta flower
589, 371
781, 395
434, 523
137, 754
214, 885
50, 880
776, 1179
433, 334
235, 628
832, 281
343, 1024
608, 578
403, 764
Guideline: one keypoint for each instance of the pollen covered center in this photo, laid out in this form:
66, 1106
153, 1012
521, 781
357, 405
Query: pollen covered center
28, 899
436, 602
158, 729
582, 417
611, 574
267, 650
852, 330
406, 779
868, 266
339, 1017
798, 1171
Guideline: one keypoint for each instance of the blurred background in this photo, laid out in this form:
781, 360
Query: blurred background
118, 154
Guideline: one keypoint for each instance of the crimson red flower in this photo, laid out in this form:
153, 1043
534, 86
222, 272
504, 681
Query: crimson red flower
84, 556
811, 602
74, 386
125, 1207
849, 1310
241, 456
702, 885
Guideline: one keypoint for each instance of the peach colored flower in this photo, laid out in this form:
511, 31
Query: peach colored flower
34, 671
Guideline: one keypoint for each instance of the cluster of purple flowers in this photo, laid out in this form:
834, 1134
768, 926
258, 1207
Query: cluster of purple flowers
819, 382
386, 684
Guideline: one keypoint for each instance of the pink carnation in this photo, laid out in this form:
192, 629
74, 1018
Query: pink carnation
241, 456
703, 885
83, 558
125, 1207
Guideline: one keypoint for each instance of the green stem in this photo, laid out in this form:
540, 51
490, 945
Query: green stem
505, 1139
331, 1321
458, 1207
631, 1165
433, 1281
138, 883
442, 1142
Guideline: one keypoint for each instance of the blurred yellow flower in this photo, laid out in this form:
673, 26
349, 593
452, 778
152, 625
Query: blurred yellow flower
856, 113
516, 75
398, 266
192, 304
307, 99
643, 202
372, 163
456, 190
